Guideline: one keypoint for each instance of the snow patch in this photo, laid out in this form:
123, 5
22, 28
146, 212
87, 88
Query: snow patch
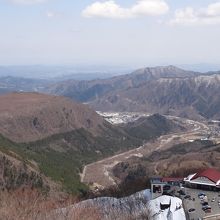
174, 212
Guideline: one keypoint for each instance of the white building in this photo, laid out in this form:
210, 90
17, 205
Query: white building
207, 179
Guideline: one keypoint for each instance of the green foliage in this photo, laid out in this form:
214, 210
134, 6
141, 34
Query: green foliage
76, 149
62, 156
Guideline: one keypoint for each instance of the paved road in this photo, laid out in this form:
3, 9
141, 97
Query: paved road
99, 173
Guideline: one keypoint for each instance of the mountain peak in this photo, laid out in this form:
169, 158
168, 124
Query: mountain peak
164, 72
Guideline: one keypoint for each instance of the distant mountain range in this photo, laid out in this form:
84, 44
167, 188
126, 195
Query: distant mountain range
11, 84
37, 78
61, 72
90, 90
165, 90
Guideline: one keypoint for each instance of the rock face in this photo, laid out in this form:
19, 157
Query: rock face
164, 90
26, 117
137, 206
134, 206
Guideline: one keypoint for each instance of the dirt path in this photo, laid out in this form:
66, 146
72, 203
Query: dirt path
99, 173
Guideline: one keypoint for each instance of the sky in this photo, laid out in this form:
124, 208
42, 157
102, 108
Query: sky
106, 32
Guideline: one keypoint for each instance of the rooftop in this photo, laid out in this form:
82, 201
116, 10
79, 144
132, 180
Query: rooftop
211, 174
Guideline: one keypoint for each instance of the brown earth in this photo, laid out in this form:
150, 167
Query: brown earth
101, 174
15, 174
26, 117
179, 160
150, 157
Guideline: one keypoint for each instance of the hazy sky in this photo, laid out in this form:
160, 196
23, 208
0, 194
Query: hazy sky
144, 32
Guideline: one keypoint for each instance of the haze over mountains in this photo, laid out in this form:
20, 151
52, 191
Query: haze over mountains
58, 124
165, 90
61, 72
51, 133
99, 96
35, 78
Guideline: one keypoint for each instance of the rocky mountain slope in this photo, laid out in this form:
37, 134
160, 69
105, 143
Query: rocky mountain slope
166, 90
15, 174
134, 206
189, 97
89, 90
138, 206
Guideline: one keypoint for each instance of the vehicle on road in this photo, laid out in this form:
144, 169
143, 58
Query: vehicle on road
181, 192
204, 204
201, 194
204, 208
192, 210
208, 210
204, 199
166, 187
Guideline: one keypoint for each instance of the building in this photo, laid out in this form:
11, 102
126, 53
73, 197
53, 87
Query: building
208, 179
162, 185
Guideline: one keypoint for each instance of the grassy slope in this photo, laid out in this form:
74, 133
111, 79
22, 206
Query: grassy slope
64, 165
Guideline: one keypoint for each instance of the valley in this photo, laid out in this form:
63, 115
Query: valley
100, 175
58, 136
107, 137
109, 110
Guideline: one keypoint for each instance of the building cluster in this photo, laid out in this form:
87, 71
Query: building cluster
208, 179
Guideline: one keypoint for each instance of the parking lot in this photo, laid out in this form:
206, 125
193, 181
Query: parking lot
194, 202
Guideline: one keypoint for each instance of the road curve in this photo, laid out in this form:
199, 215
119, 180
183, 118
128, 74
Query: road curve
99, 173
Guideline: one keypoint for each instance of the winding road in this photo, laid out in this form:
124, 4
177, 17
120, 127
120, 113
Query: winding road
99, 174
